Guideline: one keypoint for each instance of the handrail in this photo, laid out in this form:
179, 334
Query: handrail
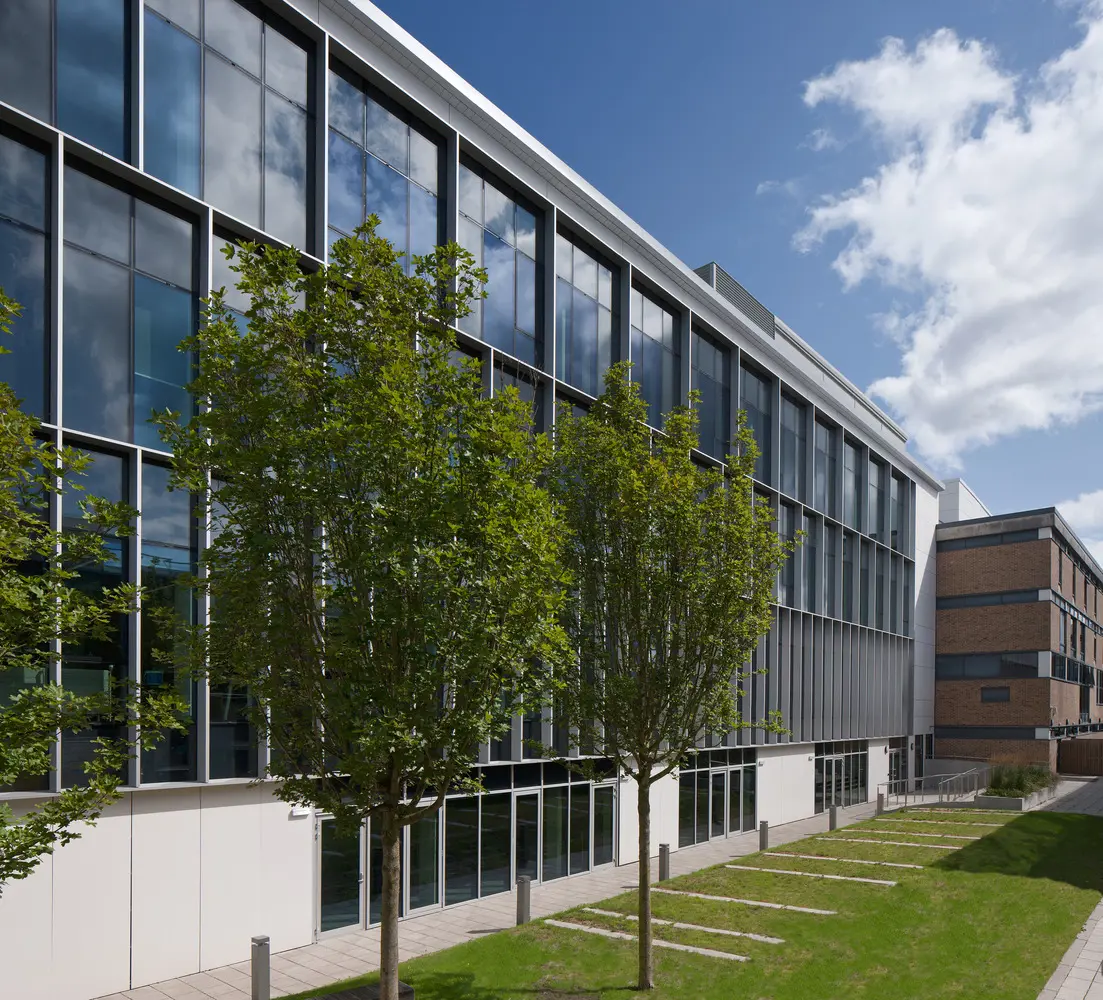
957, 786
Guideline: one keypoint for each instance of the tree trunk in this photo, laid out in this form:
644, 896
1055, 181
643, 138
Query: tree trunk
644, 807
388, 930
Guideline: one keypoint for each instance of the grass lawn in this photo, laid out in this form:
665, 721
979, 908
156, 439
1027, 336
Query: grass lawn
989, 920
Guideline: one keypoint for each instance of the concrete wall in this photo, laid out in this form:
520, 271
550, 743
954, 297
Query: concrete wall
169, 882
786, 783
926, 518
959, 503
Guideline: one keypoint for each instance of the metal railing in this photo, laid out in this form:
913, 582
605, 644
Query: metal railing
934, 788
957, 786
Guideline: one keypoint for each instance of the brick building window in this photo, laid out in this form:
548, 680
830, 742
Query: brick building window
995, 694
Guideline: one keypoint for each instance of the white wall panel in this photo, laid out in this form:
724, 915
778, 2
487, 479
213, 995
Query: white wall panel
786, 783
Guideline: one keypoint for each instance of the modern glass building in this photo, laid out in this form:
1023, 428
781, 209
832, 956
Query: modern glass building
136, 139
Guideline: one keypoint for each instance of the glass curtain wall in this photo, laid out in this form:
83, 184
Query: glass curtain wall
830, 569
716, 795
850, 543
712, 379
755, 400
842, 770
810, 562
585, 316
228, 112
786, 592
129, 300
877, 473
382, 164
852, 486
794, 448
826, 471
23, 268
656, 348
501, 234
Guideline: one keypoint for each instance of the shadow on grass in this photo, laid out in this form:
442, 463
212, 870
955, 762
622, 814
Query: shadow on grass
463, 986
1062, 847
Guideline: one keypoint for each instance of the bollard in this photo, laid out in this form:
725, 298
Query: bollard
763, 835
833, 818
664, 862
524, 900
261, 971
880, 803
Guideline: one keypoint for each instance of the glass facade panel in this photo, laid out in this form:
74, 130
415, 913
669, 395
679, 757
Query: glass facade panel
340, 878
786, 592
604, 815
750, 779
580, 828
655, 347
556, 825
810, 563
794, 448
826, 469
865, 584
830, 569
233, 740
898, 506
461, 849
755, 401
286, 195
850, 543
495, 863
877, 473
233, 136
882, 569
584, 325
702, 806
25, 77
23, 269
687, 805
712, 379
425, 861
527, 835
852, 486
174, 66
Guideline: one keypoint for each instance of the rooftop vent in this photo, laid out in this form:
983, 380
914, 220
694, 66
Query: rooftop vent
714, 275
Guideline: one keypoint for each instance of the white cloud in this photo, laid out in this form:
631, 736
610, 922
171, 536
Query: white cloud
820, 139
987, 213
790, 187
1085, 514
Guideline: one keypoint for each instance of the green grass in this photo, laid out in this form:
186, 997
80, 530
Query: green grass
989, 921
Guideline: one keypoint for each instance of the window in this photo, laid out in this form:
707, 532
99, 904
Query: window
879, 596
826, 472
852, 484
850, 542
711, 378
894, 595
65, 62
877, 500
755, 402
989, 694
830, 568
129, 301
1064, 631
655, 350
865, 583
786, 592
980, 665
906, 602
898, 487
793, 448
528, 388
380, 164
23, 269
585, 316
501, 234
228, 112
810, 554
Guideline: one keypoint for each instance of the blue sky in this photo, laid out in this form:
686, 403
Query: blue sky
692, 117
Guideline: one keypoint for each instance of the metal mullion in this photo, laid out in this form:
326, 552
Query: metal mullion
320, 193
137, 84
203, 686
134, 480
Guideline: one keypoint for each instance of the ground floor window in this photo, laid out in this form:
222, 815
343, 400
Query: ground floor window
716, 795
841, 773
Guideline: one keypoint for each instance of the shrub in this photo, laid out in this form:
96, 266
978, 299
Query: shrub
1018, 781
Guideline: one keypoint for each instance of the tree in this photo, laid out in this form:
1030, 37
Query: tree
385, 577
45, 606
673, 565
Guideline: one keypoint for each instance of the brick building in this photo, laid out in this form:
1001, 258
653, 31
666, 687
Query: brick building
1017, 634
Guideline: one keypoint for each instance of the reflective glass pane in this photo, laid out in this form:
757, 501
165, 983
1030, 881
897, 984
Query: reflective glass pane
580, 828
340, 878
387, 136
22, 183
424, 228
223, 277
285, 193
584, 343
96, 393
386, 197
425, 861
605, 286
91, 72
563, 258
375, 873
585, 273
750, 776
182, 12
526, 294
702, 806
718, 808
555, 833
687, 801
461, 849
232, 139
604, 345
527, 834
23, 278
172, 69
25, 67
603, 825
162, 319
424, 161
346, 107
163, 245
97, 216
526, 231
498, 259
285, 66
735, 796
496, 861
346, 184
471, 194
234, 32
499, 214
233, 739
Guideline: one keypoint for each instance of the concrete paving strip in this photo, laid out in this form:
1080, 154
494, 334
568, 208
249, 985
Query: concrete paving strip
893, 843
834, 878
935, 822
621, 936
746, 902
686, 927
850, 861
916, 833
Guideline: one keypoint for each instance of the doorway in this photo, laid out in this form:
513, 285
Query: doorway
341, 879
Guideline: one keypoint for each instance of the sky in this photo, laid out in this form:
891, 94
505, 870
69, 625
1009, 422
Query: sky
915, 188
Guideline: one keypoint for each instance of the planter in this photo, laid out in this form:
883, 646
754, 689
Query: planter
1015, 805
405, 992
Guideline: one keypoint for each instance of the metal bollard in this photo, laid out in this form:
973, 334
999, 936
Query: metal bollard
664, 862
833, 818
261, 968
880, 803
524, 900
763, 835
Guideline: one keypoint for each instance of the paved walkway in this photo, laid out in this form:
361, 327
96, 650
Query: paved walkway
357, 952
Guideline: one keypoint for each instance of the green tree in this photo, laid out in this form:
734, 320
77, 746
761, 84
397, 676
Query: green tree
44, 607
385, 577
673, 565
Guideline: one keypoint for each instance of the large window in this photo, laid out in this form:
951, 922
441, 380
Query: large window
898, 511
656, 348
877, 476
168, 603
65, 61
794, 448
830, 568
227, 112
380, 164
501, 234
23, 264
129, 302
852, 486
585, 316
826, 470
786, 590
711, 378
865, 583
810, 554
755, 402
850, 543
882, 570
716, 795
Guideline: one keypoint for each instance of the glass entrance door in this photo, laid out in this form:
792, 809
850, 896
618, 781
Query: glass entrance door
341, 879
719, 804
526, 836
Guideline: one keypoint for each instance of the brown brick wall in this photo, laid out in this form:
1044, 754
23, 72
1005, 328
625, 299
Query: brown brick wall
996, 628
1043, 752
957, 703
995, 568
1065, 699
